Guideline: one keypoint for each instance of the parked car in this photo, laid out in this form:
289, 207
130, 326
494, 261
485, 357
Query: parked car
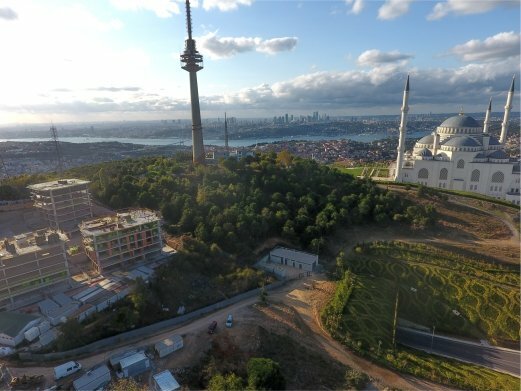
229, 320
66, 369
212, 327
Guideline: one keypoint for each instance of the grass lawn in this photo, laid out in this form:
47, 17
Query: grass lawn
432, 285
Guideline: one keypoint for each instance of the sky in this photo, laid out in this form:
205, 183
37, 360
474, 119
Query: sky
112, 60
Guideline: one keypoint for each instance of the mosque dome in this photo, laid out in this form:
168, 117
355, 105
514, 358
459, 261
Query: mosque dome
461, 142
460, 121
426, 140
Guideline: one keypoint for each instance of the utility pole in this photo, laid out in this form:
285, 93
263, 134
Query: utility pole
432, 339
395, 320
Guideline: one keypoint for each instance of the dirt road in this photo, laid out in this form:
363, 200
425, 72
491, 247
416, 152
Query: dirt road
292, 294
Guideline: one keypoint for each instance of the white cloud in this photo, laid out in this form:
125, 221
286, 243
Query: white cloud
7, 13
223, 47
497, 47
375, 57
225, 5
467, 7
356, 6
162, 8
392, 9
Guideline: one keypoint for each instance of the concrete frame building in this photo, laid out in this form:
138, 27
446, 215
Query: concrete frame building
31, 261
128, 237
64, 203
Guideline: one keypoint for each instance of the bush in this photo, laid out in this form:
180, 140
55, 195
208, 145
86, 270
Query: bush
264, 374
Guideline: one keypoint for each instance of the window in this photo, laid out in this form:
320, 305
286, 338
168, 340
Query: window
498, 177
443, 174
461, 164
474, 177
423, 174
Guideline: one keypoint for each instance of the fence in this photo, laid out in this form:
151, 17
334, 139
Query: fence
146, 331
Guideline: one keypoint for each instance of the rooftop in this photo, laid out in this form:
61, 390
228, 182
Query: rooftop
30, 242
57, 184
296, 255
11, 323
122, 220
166, 381
130, 360
83, 382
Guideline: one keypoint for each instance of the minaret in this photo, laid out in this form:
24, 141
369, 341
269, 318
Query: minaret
508, 106
193, 62
403, 128
487, 117
226, 134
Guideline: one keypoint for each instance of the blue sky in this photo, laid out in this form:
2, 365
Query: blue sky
119, 59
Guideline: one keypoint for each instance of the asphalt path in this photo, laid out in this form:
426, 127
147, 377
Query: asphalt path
499, 359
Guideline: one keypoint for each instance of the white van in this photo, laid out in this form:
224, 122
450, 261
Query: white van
66, 369
229, 320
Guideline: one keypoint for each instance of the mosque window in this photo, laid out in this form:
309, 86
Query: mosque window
443, 174
423, 174
474, 177
498, 177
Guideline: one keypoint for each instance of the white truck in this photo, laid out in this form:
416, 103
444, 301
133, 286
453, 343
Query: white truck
66, 369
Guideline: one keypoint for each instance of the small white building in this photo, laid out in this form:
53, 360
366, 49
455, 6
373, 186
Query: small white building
294, 258
164, 381
13, 326
168, 345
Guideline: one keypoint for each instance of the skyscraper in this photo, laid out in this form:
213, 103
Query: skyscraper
193, 62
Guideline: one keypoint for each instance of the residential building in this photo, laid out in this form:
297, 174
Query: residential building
63, 203
30, 262
123, 239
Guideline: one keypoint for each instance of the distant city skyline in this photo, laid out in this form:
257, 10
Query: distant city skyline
114, 60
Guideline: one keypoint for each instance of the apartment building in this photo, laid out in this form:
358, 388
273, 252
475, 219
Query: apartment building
128, 237
30, 262
64, 203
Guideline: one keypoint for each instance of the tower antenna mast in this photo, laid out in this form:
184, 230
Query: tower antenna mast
59, 158
192, 62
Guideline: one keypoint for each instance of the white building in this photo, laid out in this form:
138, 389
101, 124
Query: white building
13, 326
293, 258
460, 155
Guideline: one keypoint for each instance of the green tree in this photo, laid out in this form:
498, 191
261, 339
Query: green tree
230, 382
264, 374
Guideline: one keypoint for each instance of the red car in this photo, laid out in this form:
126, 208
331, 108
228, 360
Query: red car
212, 327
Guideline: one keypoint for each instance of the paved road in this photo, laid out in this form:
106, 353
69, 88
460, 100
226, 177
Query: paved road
499, 359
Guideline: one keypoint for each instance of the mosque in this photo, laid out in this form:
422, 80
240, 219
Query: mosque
460, 155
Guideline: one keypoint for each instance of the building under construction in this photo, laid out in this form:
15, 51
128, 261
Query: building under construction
31, 261
120, 240
64, 203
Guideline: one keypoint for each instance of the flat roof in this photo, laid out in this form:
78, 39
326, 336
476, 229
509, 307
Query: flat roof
94, 374
166, 381
11, 323
121, 220
295, 255
27, 242
129, 360
57, 184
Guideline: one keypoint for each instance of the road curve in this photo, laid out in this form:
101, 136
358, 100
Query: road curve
498, 359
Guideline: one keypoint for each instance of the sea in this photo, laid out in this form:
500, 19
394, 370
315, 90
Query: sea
243, 142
